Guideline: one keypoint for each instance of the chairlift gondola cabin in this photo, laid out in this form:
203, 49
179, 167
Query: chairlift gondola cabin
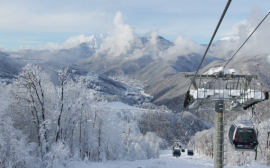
176, 152
243, 137
190, 152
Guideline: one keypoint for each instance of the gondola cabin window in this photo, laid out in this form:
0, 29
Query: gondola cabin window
245, 135
231, 132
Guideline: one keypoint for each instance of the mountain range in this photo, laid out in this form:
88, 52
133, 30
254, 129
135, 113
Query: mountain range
159, 63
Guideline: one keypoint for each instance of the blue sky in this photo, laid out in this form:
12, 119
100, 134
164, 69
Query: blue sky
33, 23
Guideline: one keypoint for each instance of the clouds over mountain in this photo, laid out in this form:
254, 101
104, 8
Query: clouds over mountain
111, 53
74, 42
122, 41
183, 46
258, 43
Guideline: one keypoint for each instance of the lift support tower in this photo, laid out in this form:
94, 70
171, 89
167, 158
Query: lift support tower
223, 85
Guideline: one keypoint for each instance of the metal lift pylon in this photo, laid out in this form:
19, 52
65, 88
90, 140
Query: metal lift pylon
221, 85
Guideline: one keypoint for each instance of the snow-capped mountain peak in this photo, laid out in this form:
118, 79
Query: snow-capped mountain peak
95, 41
231, 39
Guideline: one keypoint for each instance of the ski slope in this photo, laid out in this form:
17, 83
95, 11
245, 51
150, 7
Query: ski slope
122, 106
166, 160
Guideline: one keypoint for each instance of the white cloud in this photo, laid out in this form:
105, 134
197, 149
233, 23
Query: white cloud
235, 29
2, 48
25, 47
69, 43
153, 38
122, 41
125, 43
257, 44
21, 18
259, 41
183, 46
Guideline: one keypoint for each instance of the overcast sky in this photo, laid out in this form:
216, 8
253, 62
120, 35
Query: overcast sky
33, 23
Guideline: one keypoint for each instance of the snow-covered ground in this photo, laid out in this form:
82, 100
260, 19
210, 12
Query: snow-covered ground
122, 106
166, 160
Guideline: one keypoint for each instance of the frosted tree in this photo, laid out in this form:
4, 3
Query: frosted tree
202, 143
58, 156
34, 92
49, 125
74, 111
14, 148
62, 74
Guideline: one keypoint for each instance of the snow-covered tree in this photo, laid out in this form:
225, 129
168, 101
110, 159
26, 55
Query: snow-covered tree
14, 147
34, 94
58, 155
47, 125
63, 81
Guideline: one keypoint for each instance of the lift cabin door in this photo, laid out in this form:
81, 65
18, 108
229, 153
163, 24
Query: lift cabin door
245, 139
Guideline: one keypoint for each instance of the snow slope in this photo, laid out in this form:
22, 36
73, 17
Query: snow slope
166, 160
122, 106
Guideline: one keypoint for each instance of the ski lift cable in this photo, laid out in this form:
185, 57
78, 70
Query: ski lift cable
246, 39
193, 123
190, 125
220, 20
205, 133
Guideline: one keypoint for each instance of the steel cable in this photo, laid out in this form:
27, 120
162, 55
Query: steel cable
247, 39
213, 36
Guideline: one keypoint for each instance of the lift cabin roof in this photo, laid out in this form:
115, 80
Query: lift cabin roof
245, 125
